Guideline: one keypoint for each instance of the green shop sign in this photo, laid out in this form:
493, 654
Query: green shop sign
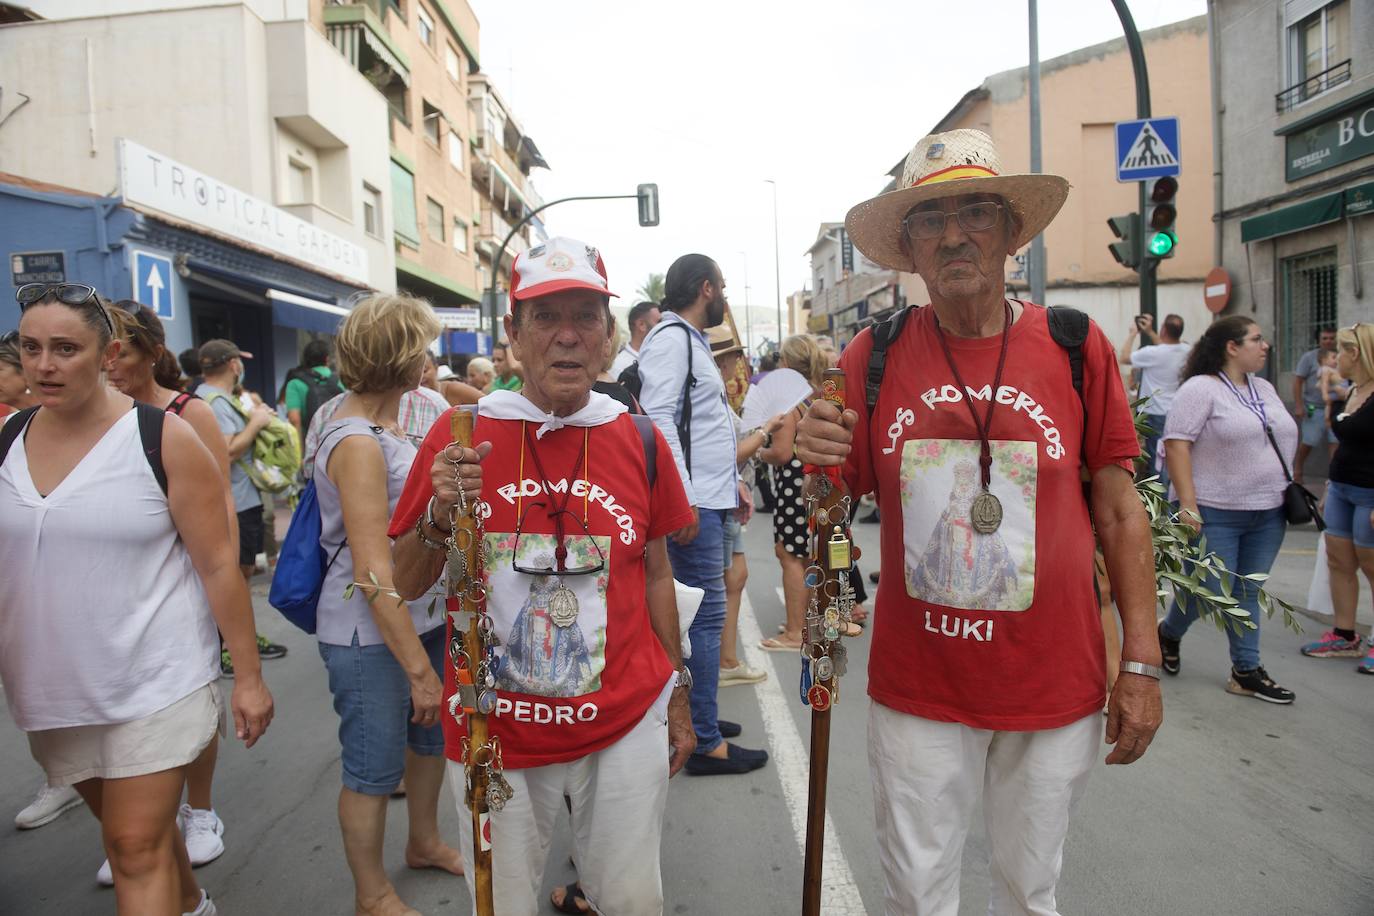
1340, 139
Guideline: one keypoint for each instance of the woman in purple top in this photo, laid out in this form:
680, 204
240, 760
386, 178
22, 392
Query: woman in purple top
1217, 426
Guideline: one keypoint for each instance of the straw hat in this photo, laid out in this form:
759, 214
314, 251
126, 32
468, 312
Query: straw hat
723, 339
946, 165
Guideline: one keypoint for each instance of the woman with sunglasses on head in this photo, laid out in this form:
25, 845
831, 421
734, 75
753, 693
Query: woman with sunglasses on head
121, 703
147, 371
383, 657
1222, 419
14, 391
1349, 506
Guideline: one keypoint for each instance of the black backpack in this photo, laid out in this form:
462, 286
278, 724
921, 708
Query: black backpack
630, 379
149, 433
318, 391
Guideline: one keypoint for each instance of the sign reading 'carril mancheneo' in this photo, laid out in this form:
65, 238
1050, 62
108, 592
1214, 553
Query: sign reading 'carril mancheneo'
1344, 138
38, 267
152, 180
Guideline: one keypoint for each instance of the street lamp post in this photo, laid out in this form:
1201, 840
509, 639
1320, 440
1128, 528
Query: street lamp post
748, 321
777, 281
647, 196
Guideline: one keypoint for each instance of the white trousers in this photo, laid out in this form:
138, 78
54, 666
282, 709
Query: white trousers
617, 797
927, 778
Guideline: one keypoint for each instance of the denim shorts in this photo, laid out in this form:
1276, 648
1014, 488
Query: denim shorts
1314, 429
1347, 513
372, 698
733, 539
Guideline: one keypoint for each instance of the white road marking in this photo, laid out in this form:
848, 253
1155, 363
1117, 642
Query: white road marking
839, 893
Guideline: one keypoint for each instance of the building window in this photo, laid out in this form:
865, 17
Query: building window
496, 129
372, 211
425, 25
460, 235
452, 62
299, 186
455, 150
406, 225
1309, 303
434, 216
1318, 50
432, 116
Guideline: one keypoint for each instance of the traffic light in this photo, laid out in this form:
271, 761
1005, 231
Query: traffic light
1160, 216
648, 204
1127, 229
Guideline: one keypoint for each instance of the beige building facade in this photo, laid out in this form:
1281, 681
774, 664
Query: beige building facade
1082, 95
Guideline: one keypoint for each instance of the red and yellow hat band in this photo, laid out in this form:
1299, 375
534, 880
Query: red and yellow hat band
956, 171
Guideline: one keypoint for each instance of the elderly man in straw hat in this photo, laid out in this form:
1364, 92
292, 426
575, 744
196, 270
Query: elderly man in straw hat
987, 667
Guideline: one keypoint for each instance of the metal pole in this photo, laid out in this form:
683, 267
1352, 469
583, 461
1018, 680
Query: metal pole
1142, 110
777, 281
748, 324
501, 252
1036, 266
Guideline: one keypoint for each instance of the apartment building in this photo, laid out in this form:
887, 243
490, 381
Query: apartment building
1296, 139
242, 202
1082, 95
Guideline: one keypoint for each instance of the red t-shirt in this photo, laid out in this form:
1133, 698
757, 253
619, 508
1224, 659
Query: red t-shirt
564, 691
998, 631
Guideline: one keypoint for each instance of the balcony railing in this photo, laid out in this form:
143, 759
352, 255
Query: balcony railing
1330, 78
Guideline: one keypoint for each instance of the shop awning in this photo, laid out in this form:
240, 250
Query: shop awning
1316, 212
1359, 200
292, 311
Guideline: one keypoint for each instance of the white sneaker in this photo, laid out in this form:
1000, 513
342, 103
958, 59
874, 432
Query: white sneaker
47, 806
206, 908
202, 830
105, 876
741, 674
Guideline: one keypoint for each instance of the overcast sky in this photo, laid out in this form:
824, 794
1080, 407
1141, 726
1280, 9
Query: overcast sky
711, 98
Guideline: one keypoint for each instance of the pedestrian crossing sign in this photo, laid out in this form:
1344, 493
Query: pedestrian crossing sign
1147, 149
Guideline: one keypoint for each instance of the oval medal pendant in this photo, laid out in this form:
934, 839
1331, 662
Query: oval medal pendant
457, 566
819, 697
825, 668
563, 606
486, 702
986, 513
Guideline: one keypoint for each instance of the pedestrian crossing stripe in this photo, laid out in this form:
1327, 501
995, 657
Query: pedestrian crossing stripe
1148, 151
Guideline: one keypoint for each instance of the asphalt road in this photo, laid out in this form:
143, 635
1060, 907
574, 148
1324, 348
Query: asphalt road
1240, 807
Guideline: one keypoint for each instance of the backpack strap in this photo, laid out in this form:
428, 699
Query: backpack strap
13, 429
178, 404
150, 421
884, 332
646, 439
684, 427
1069, 328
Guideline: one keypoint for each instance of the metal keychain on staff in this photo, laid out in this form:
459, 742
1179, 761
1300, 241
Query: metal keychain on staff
473, 656
829, 610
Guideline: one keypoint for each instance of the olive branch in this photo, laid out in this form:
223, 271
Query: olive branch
373, 590
1182, 560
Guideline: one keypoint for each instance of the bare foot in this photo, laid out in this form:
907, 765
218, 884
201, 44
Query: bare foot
388, 904
441, 856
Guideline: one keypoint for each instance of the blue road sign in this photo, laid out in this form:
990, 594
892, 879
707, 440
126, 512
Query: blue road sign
153, 282
1147, 149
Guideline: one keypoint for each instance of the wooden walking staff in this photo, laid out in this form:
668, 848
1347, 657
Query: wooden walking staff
827, 616
465, 603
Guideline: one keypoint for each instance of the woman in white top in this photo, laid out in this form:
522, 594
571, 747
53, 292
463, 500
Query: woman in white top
125, 697
383, 657
1229, 481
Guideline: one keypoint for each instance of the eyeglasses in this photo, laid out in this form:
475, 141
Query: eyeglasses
560, 551
8, 338
930, 224
73, 294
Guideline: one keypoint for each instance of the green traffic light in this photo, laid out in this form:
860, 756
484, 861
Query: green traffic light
1161, 243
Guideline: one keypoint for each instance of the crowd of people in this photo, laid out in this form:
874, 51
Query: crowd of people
616, 468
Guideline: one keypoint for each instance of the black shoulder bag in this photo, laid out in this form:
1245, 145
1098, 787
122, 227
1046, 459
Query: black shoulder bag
1299, 503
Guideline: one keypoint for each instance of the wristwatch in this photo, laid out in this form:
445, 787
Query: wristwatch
684, 678
1142, 668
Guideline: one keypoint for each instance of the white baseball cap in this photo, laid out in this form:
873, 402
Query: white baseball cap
558, 264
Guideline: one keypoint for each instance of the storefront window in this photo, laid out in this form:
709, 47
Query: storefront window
1309, 303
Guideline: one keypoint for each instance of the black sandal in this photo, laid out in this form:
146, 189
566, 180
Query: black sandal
571, 894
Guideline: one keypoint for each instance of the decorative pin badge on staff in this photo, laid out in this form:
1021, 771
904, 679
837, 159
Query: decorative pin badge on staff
472, 651
828, 619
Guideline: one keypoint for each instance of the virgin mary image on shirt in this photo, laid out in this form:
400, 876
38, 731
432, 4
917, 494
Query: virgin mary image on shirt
948, 562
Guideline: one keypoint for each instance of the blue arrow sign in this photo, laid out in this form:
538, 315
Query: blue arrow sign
1147, 149
153, 282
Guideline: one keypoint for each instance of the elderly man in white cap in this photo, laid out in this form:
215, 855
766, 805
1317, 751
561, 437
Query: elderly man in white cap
591, 694
987, 666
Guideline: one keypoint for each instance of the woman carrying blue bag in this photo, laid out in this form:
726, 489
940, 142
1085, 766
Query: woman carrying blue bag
383, 656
